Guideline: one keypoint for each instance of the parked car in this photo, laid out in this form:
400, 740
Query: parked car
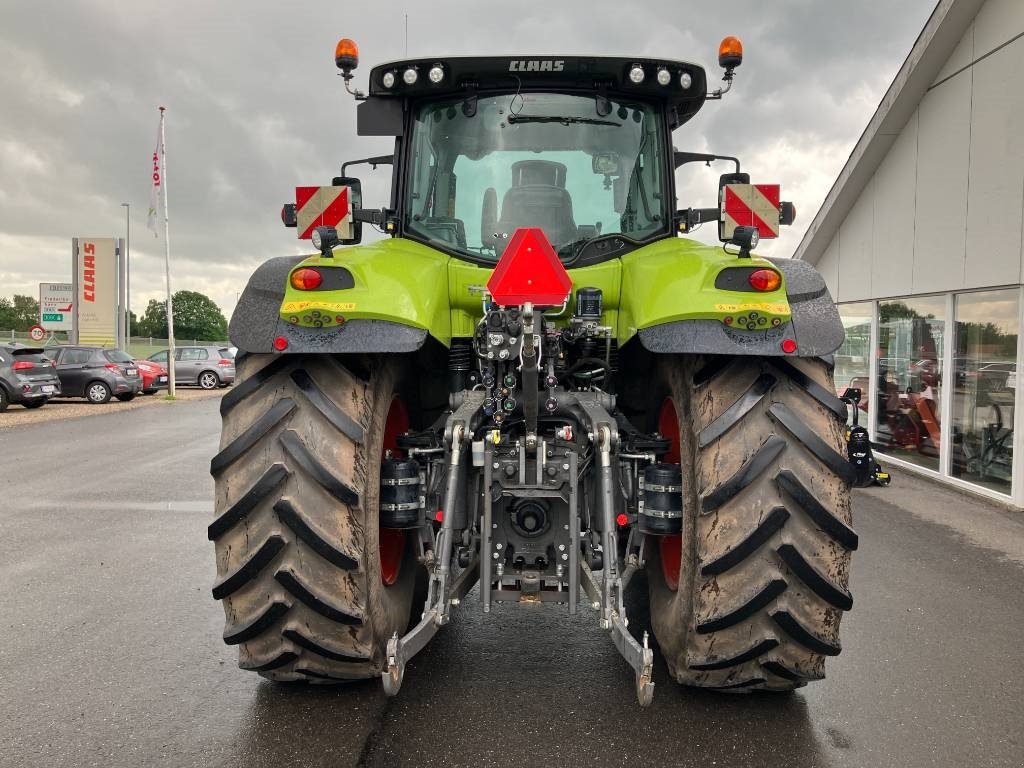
154, 376
27, 377
995, 376
208, 367
96, 373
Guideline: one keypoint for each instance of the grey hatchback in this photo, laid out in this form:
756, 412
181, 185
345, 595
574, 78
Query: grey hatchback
207, 366
27, 377
96, 373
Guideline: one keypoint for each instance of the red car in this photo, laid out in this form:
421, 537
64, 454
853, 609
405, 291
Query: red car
154, 376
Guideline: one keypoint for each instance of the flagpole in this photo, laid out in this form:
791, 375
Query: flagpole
167, 260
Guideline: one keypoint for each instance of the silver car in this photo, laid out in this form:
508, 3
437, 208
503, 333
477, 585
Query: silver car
208, 366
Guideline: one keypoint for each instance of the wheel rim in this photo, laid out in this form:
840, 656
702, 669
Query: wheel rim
392, 540
208, 381
670, 547
97, 393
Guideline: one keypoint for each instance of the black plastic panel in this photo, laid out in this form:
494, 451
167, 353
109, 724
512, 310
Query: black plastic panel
736, 279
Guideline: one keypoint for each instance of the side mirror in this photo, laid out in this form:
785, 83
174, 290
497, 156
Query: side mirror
355, 201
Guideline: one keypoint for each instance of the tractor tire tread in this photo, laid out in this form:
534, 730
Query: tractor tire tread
767, 535
274, 475
295, 526
237, 447
249, 569
291, 517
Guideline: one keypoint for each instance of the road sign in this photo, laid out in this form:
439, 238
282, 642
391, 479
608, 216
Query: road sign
37, 333
750, 205
323, 207
55, 304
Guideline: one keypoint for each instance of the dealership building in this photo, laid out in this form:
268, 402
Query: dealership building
920, 242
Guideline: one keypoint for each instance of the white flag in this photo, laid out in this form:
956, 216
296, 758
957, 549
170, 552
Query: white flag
156, 190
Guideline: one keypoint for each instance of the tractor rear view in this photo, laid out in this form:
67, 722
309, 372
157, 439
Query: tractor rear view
536, 386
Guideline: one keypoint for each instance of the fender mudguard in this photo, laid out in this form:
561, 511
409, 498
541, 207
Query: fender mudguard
814, 326
256, 322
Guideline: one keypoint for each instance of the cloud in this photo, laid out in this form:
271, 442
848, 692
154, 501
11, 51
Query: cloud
255, 108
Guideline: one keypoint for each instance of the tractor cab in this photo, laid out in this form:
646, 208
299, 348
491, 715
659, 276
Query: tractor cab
579, 147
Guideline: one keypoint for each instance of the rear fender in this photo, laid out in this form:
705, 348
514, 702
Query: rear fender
670, 302
395, 295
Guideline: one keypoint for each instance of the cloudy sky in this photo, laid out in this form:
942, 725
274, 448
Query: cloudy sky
254, 108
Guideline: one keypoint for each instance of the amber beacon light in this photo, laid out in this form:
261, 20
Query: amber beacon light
730, 53
346, 55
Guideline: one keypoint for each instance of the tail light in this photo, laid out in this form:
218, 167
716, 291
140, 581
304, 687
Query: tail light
765, 280
306, 279
113, 367
225, 361
23, 365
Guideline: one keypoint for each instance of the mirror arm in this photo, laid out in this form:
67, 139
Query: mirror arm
687, 219
378, 217
372, 161
682, 158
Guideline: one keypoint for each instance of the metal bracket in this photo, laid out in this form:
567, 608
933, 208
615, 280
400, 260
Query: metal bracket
401, 649
640, 658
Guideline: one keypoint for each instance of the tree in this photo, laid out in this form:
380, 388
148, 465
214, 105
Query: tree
19, 313
8, 319
154, 320
196, 316
26, 312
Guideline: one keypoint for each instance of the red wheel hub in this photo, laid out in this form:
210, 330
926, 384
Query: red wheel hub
670, 547
392, 540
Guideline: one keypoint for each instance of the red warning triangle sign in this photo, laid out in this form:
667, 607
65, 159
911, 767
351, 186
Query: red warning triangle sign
529, 271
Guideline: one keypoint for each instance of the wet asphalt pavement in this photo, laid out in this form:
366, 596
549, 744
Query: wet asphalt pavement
110, 650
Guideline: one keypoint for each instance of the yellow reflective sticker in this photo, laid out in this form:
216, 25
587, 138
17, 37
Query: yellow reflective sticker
771, 309
330, 306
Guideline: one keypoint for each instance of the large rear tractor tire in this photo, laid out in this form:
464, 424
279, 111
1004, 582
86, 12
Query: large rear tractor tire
751, 595
299, 552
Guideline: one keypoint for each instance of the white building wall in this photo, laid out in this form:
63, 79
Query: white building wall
945, 209
996, 201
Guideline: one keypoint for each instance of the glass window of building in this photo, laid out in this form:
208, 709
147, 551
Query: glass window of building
908, 418
854, 356
984, 387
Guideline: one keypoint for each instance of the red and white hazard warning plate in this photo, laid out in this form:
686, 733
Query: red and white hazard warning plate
322, 207
750, 205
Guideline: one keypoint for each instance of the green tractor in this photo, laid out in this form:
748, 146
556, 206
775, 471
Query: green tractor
533, 385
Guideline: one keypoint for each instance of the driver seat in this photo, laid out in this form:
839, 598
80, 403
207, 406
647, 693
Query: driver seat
538, 198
